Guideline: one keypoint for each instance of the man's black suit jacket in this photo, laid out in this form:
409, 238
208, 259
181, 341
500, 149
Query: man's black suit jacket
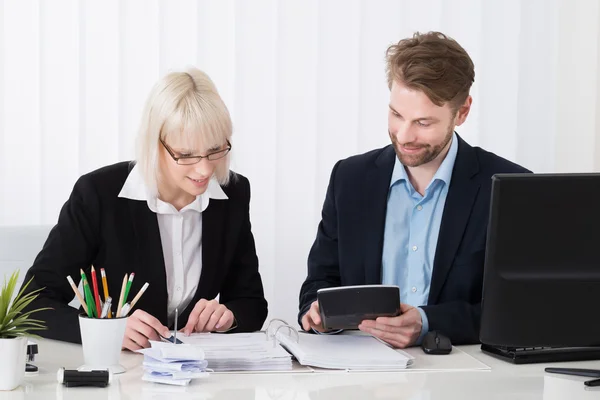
349, 243
96, 227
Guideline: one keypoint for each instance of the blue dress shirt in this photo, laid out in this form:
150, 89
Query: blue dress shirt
412, 226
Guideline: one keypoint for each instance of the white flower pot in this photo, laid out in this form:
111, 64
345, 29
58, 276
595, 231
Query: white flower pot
12, 362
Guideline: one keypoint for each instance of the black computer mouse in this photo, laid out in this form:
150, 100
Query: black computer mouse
436, 343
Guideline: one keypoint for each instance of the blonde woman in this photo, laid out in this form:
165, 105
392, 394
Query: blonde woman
177, 217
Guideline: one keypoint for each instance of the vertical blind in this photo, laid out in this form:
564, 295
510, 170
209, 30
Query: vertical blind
304, 81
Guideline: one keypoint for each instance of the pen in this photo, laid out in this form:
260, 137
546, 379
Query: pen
593, 373
128, 287
593, 382
175, 330
105, 287
120, 303
78, 294
96, 293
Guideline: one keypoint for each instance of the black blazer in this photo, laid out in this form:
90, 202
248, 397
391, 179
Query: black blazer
95, 227
349, 244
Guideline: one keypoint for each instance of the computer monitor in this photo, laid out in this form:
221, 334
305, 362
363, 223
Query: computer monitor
541, 285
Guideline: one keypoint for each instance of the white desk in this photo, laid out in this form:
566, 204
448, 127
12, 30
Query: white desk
503, 381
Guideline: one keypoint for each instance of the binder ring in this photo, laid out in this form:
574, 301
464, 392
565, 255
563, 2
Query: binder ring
292, 329
268, 333
273, 335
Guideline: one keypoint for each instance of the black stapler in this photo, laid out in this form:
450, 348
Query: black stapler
32, 350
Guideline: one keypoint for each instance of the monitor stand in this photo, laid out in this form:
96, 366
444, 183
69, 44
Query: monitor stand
529, 355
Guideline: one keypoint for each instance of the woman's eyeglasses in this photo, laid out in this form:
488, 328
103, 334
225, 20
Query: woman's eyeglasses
189, 160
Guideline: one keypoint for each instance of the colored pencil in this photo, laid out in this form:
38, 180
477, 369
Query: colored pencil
79, 296
128, 287
88, 294
120, 304
105, 287
139, 294
96, 292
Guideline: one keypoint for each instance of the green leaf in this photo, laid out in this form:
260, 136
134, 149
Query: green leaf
20, 304
22, 319
22, 324
27, 314
23, 288
14, 322
15, 334
8, 289
24, 328
23, 298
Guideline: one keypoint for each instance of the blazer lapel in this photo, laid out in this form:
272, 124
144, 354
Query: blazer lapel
213, 222
374, 205
151, 259
461, 196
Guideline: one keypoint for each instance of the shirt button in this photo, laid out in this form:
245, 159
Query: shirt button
179, 288
414, 289
178, 253
414, 248
419, 207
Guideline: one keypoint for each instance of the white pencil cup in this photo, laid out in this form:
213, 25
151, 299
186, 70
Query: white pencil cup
102, 339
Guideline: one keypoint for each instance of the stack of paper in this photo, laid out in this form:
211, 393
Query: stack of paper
173, 364
350, 352
241, 352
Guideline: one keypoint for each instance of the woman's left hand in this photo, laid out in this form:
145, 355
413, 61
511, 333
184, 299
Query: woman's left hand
209, 316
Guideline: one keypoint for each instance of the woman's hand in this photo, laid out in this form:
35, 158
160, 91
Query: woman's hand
209, 316
141, 328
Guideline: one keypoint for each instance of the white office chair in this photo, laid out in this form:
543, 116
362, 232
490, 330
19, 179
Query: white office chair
19, 245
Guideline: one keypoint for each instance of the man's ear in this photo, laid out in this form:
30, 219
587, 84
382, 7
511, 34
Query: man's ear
463, 111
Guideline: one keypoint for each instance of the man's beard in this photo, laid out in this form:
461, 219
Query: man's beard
429, 153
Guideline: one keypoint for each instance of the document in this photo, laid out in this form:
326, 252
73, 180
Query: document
240, 352
347, 352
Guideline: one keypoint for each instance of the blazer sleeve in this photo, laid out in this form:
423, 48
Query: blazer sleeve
459, 320
243, 291
70, 246
323, 258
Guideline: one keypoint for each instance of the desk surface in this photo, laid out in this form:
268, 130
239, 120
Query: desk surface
503, 381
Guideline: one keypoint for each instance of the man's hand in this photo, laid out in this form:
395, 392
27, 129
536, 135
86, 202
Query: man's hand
312, 318
142, 327
401, 331
209, 316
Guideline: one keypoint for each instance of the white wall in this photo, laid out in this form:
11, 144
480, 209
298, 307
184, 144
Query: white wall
304, 80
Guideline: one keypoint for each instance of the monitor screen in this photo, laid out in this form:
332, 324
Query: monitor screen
542, 266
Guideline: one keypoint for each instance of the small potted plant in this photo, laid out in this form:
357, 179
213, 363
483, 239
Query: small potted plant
15, 326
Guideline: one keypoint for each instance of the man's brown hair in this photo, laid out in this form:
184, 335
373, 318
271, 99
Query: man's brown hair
434, 64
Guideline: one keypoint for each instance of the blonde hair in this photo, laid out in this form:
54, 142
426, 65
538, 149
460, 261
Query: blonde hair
185, 105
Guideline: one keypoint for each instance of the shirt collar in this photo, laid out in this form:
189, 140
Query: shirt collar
444, 172
136, 189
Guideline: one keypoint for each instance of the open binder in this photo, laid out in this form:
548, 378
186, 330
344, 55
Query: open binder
342, 351
240, 352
